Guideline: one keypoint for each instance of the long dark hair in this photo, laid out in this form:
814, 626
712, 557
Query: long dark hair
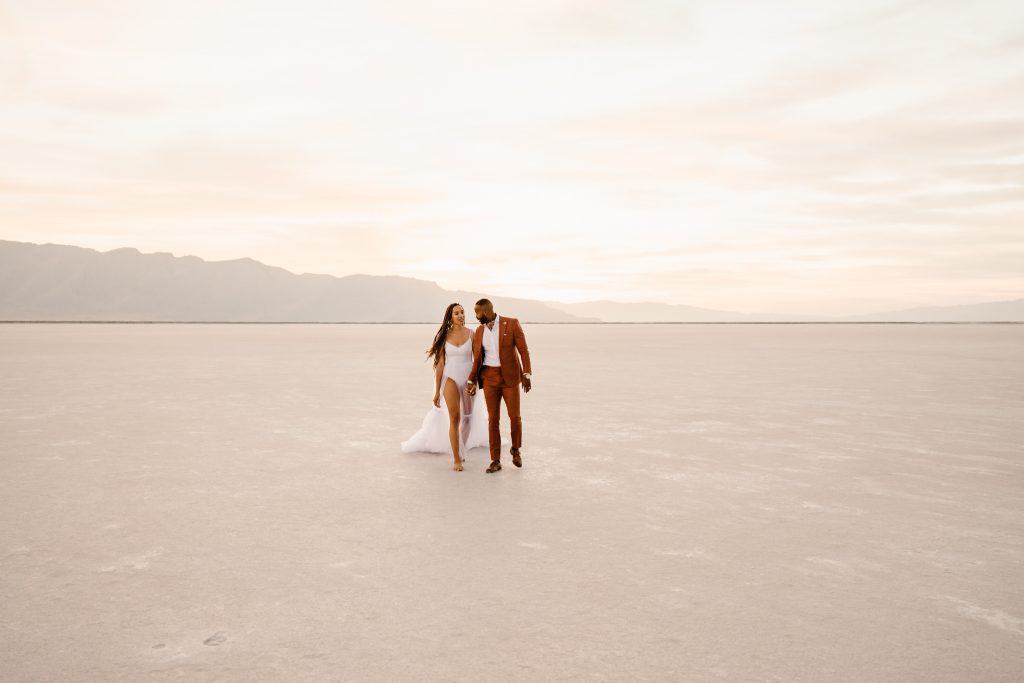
437, 348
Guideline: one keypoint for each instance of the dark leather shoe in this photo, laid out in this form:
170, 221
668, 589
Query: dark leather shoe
516, 460
494, 466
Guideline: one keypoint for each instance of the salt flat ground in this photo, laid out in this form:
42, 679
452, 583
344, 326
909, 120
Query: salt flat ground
746, 502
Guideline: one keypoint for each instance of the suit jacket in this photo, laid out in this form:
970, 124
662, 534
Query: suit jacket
511, 346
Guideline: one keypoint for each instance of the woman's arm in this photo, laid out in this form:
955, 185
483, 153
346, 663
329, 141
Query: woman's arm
478, 356
438, 371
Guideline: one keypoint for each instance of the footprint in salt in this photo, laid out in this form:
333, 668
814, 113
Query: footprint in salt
216, 639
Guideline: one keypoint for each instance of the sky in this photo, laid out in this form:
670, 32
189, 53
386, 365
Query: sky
804, 157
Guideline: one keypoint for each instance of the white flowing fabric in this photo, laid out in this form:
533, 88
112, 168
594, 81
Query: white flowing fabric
432, 436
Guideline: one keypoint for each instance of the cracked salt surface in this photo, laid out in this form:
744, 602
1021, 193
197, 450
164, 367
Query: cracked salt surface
230, 502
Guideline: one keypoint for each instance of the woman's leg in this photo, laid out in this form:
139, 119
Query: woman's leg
467, 417
452, 398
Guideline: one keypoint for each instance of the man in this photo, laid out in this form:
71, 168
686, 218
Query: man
497, 346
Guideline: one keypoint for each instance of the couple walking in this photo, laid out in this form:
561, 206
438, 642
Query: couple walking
467, 365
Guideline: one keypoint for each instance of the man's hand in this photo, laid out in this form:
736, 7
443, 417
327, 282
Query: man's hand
471, 388
526, 385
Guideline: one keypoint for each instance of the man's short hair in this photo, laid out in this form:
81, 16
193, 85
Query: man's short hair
483, 302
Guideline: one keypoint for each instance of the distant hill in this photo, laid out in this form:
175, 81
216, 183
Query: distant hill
644, 312
992, 311
614, 311
60, 282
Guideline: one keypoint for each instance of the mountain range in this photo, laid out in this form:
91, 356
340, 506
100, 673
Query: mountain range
49, 282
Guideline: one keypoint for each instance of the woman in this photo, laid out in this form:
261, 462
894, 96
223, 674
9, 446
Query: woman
465, 426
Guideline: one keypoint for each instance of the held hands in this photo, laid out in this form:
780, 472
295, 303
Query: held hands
471, 388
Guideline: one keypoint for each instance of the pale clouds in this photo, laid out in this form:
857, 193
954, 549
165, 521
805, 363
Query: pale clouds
827, 157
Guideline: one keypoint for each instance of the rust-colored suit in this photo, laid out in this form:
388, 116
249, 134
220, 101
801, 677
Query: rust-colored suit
502, 382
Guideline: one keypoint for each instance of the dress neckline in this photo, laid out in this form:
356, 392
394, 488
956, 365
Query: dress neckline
459, 346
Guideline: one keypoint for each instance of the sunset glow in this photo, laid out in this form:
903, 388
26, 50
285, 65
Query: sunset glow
809, 157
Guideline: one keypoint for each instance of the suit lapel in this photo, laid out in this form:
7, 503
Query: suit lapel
501, 334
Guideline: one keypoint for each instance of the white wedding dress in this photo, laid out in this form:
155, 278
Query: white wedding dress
432, 436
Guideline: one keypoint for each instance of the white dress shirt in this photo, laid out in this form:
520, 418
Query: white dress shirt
490, 344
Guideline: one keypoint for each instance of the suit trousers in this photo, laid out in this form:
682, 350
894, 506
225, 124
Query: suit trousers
496, 389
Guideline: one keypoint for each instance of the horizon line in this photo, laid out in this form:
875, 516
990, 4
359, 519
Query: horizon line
525, 322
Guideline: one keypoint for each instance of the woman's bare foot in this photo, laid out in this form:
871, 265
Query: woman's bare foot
458, 465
